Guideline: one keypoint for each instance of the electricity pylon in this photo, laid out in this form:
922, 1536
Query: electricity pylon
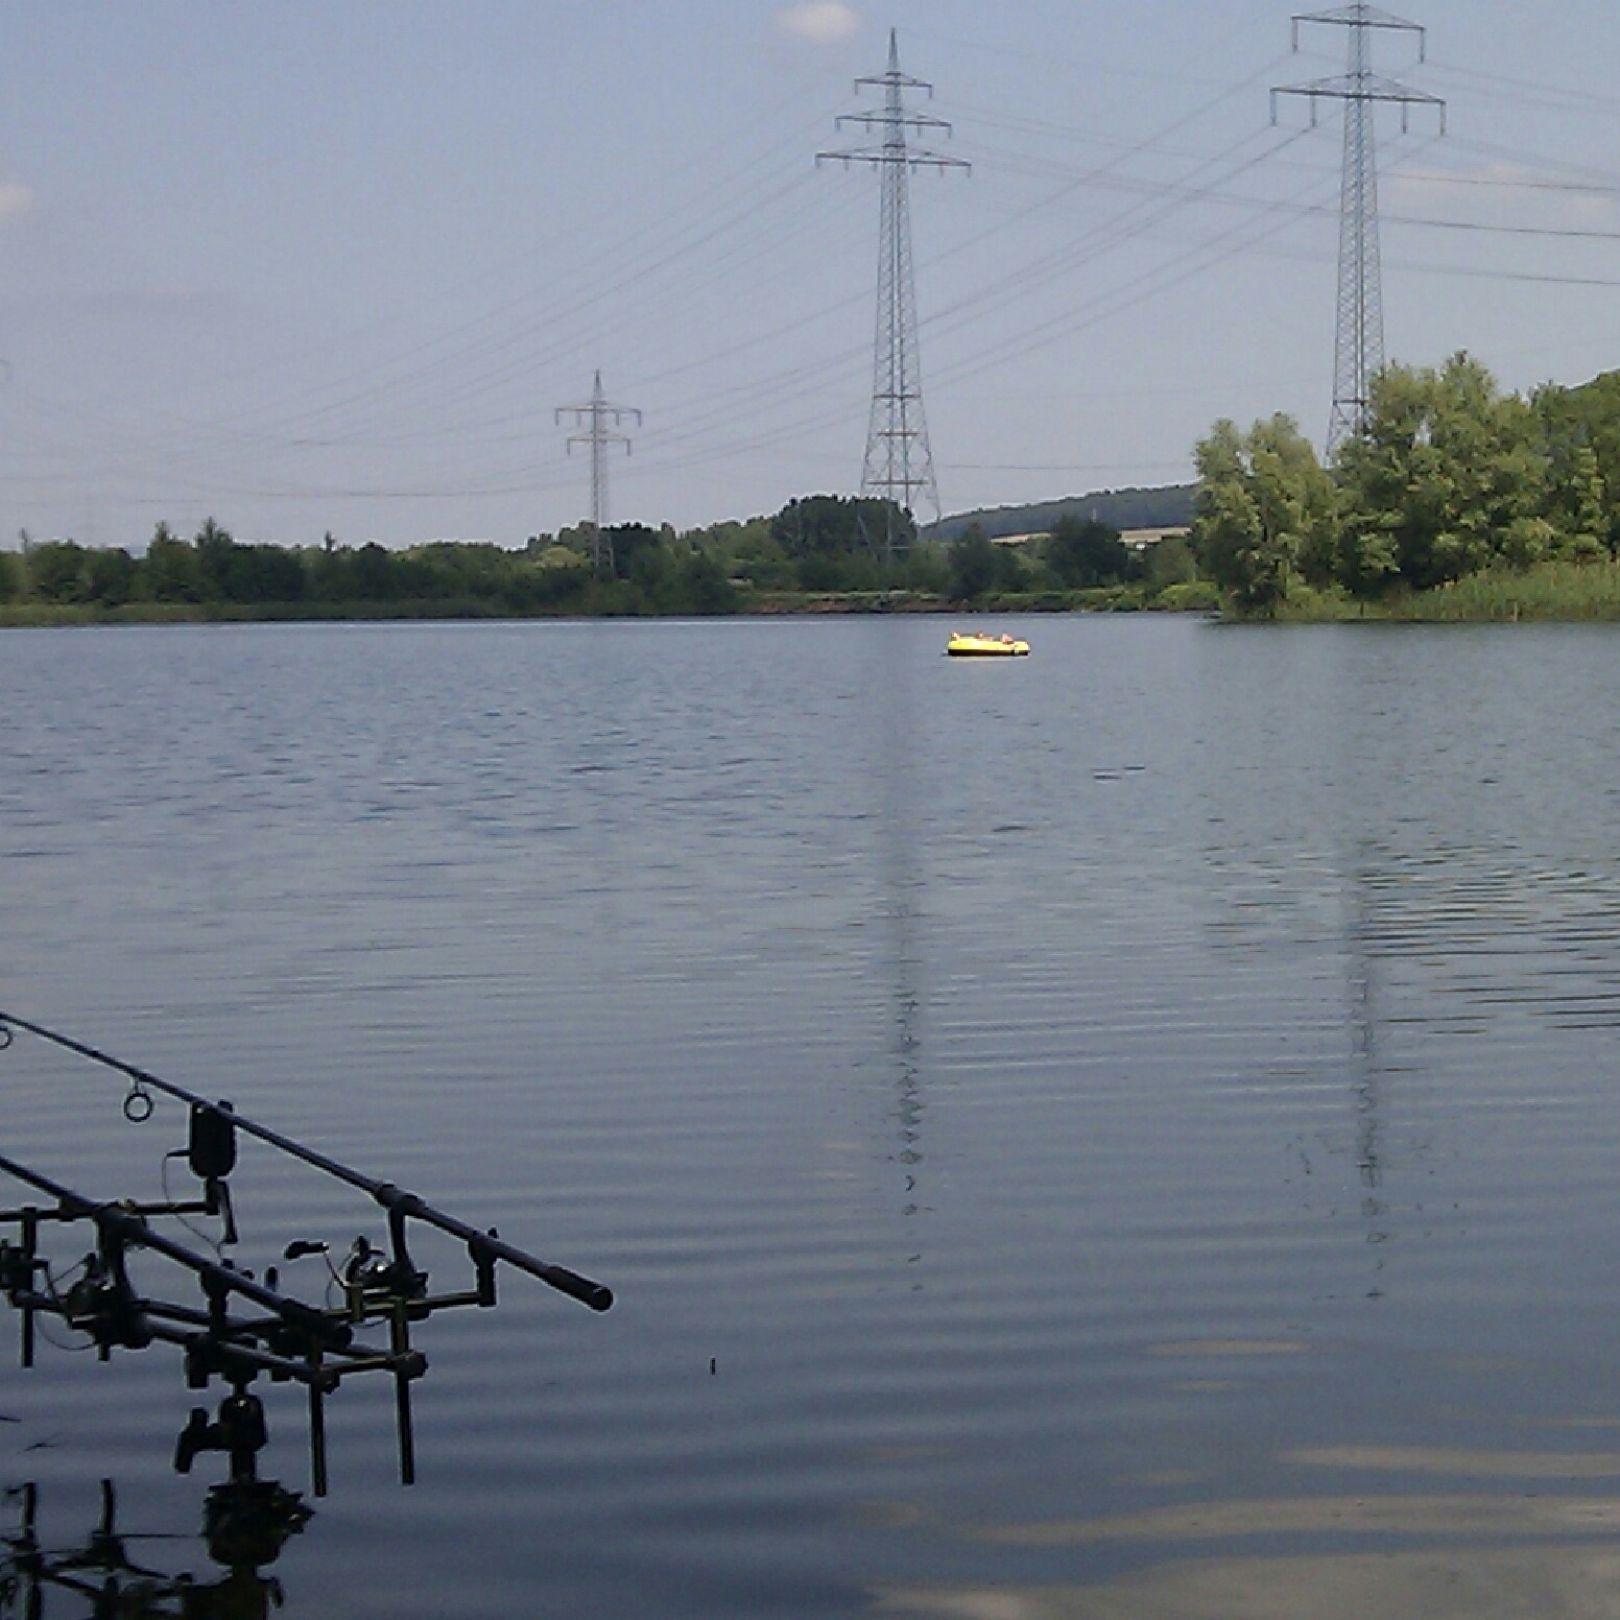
899, 464
599, 419
1359, 347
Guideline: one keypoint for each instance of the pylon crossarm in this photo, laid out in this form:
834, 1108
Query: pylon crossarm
900, 81
1360, 87
1357, 17
911, 157
1361, 90
887, 120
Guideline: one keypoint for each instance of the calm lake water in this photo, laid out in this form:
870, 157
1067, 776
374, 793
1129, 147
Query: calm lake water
1125, 1133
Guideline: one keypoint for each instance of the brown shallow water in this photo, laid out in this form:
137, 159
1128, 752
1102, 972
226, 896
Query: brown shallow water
1131, 1130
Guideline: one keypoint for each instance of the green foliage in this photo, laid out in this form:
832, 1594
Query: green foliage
630, 541
1266, 512
704, 586
829, 546
1188, 596
1583, 458
1580, 429
974, 565
110, 576
374, 573
745, 551
1082, 552
841, 526
1566, 590
1169, 562
214, 548
1447, 479
170, 573
58, 571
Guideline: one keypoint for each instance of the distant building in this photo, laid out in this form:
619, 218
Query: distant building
1136, 539
1141, 539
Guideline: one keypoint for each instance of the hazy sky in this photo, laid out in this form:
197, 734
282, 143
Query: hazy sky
306, 266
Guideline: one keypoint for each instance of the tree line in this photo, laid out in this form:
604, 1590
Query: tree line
1447, 477
819, 545
214, 570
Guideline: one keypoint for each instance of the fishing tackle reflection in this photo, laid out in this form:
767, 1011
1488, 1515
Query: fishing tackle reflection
246, 1522
243, 1326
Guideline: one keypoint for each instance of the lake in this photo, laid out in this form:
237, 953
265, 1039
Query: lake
1128, 1132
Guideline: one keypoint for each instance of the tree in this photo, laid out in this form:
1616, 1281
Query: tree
1169, 561
373, 573
1582, 496
1265, 511
840, 526
629, 541
1445, 477
169, 573
1577, 427
1588, 418
972, 565
1083, 552
110, 576
58, 571
214, 548
704, 586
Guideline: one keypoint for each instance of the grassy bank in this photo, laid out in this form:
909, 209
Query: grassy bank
1559, 592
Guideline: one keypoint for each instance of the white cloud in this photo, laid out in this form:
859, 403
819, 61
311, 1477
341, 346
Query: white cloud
15, 199
820, 21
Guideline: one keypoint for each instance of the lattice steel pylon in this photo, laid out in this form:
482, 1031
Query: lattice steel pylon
1359, 346
600, 420
899, 464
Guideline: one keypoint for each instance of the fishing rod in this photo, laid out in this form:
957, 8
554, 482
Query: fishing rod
401, 1206
269, 1333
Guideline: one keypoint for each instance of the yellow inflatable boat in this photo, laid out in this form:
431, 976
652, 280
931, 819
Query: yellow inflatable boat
975, 645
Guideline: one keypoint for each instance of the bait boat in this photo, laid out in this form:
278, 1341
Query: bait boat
974, 645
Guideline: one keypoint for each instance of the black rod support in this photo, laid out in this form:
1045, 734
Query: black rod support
317, 1439
399, 1340
30, 1243
594, 1294
118, 1226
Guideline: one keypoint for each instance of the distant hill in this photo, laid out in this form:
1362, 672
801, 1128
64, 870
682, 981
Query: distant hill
1165, 508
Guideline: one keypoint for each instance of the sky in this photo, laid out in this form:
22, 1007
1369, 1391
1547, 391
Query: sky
334, 267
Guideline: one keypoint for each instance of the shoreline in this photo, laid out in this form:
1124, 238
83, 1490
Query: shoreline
1552, 593
53, 615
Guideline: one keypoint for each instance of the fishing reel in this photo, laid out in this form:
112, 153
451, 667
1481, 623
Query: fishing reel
368, 1276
